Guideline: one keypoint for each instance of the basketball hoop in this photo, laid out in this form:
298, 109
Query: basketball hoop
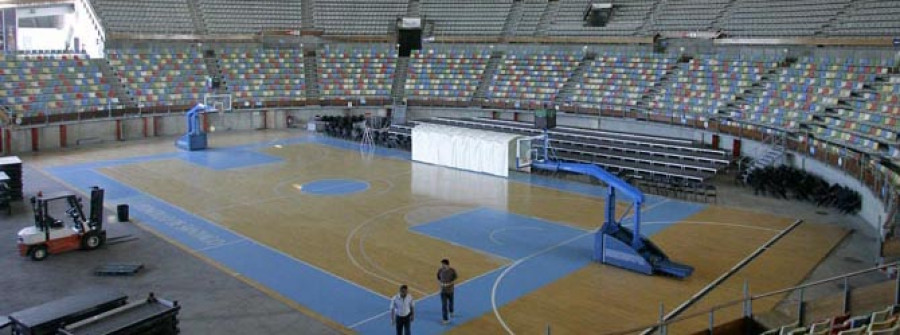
219, 102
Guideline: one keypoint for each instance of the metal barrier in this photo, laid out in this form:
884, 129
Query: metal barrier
745, 304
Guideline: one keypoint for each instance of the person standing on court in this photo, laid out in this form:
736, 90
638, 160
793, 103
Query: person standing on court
446, 276
402, 311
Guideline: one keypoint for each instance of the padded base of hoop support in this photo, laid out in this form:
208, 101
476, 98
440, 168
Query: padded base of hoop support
191, 142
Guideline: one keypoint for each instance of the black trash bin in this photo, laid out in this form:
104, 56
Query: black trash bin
122, 211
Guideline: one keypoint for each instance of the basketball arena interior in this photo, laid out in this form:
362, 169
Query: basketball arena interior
586, 166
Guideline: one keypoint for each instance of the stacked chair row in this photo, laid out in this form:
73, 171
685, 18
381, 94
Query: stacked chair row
161, 77
618, 81
445, 75
883, 322
532, 77
258, 77
36, 85
351, 72
704, 87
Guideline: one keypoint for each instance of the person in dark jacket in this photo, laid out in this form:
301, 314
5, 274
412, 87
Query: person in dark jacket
446, 276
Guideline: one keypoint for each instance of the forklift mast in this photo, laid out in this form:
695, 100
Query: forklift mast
96, 220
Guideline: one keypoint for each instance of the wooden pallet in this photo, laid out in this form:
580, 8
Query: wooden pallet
118, 269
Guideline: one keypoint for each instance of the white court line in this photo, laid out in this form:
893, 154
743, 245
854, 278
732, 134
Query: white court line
709, 223
460, 285
222, 245
503, 274
360, 323
520, 261
365, 223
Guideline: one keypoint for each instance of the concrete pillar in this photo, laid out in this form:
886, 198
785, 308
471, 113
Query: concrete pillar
63, 136
35, 139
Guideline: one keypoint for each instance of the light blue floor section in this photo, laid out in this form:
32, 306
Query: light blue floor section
334, 187
504, 234
540, 251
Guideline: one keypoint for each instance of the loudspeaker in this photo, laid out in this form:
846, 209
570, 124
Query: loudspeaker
597, 14
545, 119
409, 35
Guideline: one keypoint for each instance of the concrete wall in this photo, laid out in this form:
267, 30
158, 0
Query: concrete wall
132, 128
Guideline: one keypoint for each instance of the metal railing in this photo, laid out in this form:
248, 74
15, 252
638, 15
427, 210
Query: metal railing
745, 304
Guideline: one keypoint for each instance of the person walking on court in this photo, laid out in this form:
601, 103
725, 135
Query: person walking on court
402, 311
446, 276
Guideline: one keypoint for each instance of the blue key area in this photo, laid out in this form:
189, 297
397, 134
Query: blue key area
334, 187
504, 234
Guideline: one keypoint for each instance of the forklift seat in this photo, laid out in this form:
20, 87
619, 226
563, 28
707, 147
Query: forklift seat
54, 223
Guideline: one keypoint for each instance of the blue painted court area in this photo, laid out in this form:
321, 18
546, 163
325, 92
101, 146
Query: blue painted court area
334, 187
504, 234
541, 252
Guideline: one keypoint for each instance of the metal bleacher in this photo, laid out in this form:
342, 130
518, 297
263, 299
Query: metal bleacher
646, 156
467, 17
242, 17
146, 16
358, 17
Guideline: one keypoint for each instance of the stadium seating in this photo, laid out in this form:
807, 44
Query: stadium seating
448, 74
810, 92
770, 18
868, 18
530, 78
705, 86
466, 17
875, 115
38, 85
357, 71
688, 15
629, 17
880, 322
257, 76
618, 81
532, 10
249, 17
358, 17
745, 18
145, 16
164, 76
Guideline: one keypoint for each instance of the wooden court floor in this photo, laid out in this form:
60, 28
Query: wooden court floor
367, 238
